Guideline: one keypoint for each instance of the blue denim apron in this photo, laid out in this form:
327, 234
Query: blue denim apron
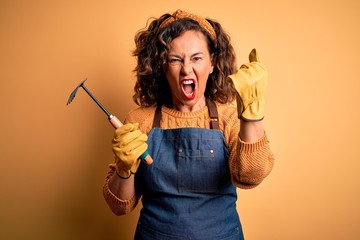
187, 191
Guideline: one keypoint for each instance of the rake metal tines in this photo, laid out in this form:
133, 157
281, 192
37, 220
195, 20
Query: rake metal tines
73, 94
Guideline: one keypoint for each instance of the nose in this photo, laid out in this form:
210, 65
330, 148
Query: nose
186, 67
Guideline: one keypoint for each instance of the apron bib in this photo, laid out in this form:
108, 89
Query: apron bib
187, 192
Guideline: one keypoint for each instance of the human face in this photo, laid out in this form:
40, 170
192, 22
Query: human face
187, 70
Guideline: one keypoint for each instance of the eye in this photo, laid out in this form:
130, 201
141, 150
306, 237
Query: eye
174, 61
196, 59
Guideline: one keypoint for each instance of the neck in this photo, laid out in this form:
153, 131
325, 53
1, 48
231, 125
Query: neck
183, 107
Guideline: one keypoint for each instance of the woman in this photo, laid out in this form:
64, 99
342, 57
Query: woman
203, 146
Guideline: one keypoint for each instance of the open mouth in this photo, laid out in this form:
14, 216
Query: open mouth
188, 88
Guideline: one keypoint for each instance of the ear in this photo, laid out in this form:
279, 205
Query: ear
211, 69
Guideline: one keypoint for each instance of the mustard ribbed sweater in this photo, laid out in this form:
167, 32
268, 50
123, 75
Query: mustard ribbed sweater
249, 163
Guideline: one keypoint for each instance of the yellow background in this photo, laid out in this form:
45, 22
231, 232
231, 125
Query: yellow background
54, 157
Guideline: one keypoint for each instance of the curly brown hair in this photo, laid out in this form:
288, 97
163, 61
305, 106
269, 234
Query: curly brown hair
152, 46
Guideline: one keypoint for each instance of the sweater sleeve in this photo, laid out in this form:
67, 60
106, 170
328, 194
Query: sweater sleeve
117, 205
251, 163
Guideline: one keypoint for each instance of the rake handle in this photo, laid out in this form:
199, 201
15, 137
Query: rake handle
116, 124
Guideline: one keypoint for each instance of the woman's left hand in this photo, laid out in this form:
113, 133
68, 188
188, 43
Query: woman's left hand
250, 82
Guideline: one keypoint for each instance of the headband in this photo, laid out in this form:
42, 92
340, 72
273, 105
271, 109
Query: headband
181, 14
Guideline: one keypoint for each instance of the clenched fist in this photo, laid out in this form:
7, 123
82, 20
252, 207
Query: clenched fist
128, 144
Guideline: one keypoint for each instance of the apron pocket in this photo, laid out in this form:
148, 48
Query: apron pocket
203, 171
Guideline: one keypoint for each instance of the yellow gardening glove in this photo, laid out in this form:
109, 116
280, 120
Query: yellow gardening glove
128, 144
250, 82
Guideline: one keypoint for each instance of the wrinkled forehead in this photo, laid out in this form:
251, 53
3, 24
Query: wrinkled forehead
189, 43
179, 27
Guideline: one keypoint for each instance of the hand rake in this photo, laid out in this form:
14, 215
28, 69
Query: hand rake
115, 122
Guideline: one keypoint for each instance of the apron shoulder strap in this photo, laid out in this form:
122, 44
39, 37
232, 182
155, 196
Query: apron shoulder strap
213, 113
157, 117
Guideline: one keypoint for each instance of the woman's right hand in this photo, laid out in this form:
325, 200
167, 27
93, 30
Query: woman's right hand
128, 144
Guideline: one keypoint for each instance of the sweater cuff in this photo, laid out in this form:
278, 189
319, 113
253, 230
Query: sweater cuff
118, 206
246, 147
114, 198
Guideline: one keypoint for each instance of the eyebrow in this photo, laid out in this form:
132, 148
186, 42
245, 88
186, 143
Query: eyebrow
193, 55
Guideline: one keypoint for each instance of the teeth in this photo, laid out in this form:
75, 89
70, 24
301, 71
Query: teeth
188, 82
188, 87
